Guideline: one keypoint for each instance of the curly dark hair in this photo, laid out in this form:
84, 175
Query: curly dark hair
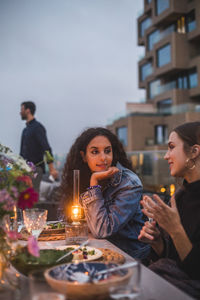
74, 161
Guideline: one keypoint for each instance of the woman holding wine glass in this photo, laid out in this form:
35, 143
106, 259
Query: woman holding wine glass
176, 240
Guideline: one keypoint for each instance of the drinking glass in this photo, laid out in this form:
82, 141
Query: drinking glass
129, 288
40, 289
35, 220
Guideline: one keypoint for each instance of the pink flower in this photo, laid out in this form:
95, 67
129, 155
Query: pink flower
5, 196
13, 235
33, 248
27, 198
14, 191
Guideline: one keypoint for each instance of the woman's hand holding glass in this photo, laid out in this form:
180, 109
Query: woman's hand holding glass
151, 234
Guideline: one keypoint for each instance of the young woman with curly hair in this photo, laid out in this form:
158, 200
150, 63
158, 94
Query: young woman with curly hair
110, 190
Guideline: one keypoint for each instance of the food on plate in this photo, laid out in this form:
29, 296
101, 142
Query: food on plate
82, 253
58, 225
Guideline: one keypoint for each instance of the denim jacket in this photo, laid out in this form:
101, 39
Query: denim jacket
114, 213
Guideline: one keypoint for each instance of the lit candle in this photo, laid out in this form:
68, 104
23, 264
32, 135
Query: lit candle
76, 213
76, 209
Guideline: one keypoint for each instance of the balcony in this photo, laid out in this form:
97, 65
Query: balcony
175, 10
179, 55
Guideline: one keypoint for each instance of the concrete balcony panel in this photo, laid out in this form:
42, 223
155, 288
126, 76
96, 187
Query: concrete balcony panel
178, 96
176, 9
179, 54
195, 93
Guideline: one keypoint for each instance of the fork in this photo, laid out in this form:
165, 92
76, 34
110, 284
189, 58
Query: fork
67, 254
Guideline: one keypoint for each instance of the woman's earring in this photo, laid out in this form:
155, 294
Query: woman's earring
189, 165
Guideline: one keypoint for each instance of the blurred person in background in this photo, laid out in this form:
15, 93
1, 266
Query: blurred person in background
34, 144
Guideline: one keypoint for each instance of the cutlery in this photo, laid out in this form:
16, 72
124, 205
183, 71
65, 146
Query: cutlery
124, 266
91, 277
67, 254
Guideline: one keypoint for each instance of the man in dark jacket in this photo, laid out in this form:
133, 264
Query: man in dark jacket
34, 143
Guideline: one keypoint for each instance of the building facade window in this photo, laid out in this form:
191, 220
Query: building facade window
182, 81
147, 164
158, 35
152, 39
193, 78
154, 88
145, 71
122, 134
164, 55
165, 106
161, 5
190, 21
148, 1
144, 25
161, 134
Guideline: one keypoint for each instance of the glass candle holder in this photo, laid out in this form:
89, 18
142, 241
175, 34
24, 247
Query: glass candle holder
76, 233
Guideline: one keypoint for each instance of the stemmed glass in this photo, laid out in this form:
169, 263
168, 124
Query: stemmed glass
129, 287
35, 220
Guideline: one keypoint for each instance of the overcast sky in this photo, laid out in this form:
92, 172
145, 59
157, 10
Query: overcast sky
76, 59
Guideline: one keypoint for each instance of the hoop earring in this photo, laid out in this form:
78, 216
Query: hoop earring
190, 167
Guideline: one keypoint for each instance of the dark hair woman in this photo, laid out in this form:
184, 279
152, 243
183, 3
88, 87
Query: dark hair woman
110, 190
181, 220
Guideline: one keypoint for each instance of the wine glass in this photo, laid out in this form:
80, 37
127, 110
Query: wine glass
35, 220
40, 289
129, 287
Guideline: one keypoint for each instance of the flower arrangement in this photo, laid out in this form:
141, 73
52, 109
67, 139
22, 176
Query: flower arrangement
15, 182
16, 191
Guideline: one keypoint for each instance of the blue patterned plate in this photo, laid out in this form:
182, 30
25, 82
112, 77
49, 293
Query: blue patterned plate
72, 279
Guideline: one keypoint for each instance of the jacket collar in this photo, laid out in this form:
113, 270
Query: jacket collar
30, 122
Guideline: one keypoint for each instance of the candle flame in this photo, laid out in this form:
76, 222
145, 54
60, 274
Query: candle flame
76, 213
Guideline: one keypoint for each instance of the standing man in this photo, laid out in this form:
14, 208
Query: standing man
34, 144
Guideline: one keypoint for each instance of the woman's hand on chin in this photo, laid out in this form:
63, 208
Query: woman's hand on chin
102, 175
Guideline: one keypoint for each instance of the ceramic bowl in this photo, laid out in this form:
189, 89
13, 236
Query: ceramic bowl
25, 263
67, 279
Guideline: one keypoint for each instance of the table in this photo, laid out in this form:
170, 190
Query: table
153, 287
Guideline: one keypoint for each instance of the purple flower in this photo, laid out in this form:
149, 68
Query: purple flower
9, 205
5, 161
5, 197
33, 248
31, 165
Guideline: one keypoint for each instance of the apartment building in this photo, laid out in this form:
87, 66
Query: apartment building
169, 72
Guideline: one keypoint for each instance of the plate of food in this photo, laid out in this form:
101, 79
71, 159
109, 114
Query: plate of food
85, 253
54, 228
